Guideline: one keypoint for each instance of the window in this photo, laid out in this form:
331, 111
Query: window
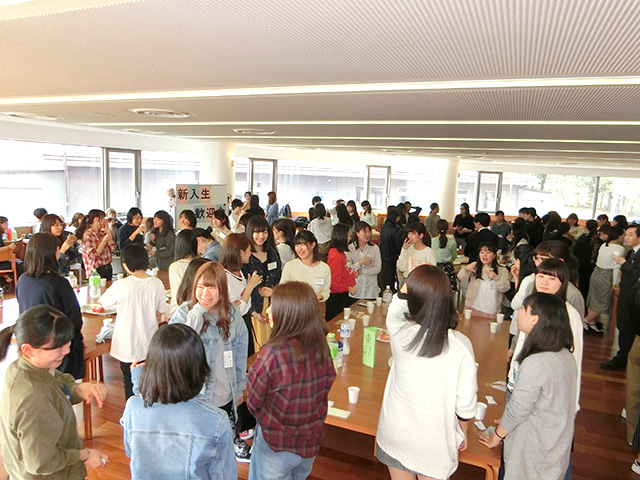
619, 196
467, 188
164, 170
299, 182
411, 183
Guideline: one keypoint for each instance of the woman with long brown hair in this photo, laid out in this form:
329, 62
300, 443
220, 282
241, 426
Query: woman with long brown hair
427, 352
288, 385
224, 335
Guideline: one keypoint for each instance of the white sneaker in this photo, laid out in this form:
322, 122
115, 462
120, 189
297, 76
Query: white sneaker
623, 414
635, 467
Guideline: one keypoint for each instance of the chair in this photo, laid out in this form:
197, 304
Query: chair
9, 256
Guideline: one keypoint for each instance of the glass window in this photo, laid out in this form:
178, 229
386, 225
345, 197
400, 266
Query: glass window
411, 183
467, 188
565, 194
488, 188
619, 196
242, 177
299, 182
161, 171
122, 180
263, 178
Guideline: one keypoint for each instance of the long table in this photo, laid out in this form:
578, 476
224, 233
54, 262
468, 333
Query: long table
490, 353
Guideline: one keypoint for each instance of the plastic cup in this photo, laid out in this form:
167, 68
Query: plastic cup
103, 282
365, 320
120, 276
481, 410
493, 327
107, 321
370, 307
347, 313
355, 391
467, 313
499, 318
379, 301
352, 322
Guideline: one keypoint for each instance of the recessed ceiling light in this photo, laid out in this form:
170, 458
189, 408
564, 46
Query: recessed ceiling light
147, 132
253, 131
396, 150
30, 116
160, 113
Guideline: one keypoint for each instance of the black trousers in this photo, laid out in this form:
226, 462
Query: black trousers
336, 303
125, 368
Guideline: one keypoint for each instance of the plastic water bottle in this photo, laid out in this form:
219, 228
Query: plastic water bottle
333, 347
387, 295
94, 285
339, 357
345, 329
346, 349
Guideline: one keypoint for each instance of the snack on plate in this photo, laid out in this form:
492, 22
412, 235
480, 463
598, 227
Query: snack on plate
383, 336
97, 308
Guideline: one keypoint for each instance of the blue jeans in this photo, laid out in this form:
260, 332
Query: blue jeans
269, 465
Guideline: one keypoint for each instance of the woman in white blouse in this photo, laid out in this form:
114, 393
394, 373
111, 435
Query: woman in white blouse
364, 257
605, 275
321, 227
416, 250
367, 215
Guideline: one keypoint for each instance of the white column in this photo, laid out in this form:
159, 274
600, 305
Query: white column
445, 186
217, 165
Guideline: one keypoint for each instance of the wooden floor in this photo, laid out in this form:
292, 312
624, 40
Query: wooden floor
601, 452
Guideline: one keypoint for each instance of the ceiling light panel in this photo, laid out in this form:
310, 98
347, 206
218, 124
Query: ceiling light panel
351, 42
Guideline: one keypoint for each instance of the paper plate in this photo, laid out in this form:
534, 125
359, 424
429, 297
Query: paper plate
87, 309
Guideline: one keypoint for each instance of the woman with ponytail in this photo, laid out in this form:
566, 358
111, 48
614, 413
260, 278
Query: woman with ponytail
39, 431
446, 250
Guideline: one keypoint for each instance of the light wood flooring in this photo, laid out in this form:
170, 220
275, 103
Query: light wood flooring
601, 452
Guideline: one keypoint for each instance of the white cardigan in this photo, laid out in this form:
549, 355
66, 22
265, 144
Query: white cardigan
425, 396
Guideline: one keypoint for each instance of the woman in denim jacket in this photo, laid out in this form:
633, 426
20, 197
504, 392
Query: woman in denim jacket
224, 335
169, 428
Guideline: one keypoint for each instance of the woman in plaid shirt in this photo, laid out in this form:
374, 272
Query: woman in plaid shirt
97, 244
288, 385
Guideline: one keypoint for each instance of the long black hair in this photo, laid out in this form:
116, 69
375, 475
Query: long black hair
186, 245
258, 223
340, 237
494, 264
556, 268
430, 304
167, 223
552, 332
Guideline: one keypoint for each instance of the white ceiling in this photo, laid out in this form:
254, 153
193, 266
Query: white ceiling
554, 81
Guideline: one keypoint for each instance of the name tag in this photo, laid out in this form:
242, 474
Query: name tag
272, 265
222, 235
228, 359
318, 281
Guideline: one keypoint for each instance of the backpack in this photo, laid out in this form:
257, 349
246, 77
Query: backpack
285, 211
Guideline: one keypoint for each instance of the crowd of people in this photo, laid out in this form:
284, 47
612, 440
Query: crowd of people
253, 266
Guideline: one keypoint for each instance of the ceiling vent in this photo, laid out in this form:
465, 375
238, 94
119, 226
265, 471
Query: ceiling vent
160, 113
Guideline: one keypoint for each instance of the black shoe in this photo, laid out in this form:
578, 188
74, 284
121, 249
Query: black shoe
614, 364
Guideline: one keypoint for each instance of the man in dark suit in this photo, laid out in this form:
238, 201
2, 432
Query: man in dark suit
482, 235
627, 312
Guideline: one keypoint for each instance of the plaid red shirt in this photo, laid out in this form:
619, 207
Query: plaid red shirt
288, 400
90, 257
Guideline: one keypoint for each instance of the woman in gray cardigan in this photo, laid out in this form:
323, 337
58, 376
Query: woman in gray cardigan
538, 422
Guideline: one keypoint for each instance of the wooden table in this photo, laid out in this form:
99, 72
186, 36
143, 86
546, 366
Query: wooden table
490, 352
91, 325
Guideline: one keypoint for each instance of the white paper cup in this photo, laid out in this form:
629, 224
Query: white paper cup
365, 320
370, 307
499, 318
120, 276
493, 327
355, 391
352, 322
103, 282
379, 301
481, 410
347, 313
467, 313
107, 321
